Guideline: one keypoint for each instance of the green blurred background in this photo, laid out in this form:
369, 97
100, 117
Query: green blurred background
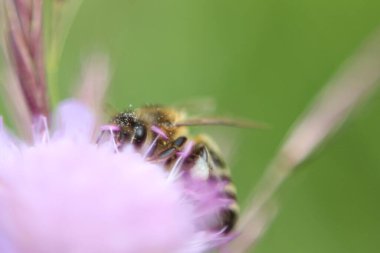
258, 59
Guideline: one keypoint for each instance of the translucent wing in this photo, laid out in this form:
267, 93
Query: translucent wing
197, 106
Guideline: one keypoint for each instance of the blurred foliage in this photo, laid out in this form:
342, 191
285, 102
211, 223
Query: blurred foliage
259, 59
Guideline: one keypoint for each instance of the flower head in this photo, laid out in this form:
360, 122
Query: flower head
65, 193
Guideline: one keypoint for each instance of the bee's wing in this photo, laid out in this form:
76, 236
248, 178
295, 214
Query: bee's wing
222, 121
197, 106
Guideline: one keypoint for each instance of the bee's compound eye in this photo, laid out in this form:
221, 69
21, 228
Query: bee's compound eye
139, 133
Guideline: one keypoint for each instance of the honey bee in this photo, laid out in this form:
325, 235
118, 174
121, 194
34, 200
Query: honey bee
162, 133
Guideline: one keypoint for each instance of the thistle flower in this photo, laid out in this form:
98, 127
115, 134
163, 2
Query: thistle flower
65, 193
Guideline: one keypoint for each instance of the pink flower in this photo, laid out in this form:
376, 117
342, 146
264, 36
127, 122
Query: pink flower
65, 193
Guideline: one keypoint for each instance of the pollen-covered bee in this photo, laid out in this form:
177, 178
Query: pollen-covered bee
161, 133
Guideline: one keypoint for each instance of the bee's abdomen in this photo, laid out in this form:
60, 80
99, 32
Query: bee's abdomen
204, 162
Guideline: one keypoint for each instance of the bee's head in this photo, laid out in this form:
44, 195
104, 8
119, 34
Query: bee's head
131, 128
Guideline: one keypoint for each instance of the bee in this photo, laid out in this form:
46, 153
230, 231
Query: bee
161, 134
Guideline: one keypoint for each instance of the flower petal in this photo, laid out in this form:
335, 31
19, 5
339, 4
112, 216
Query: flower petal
74, 120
